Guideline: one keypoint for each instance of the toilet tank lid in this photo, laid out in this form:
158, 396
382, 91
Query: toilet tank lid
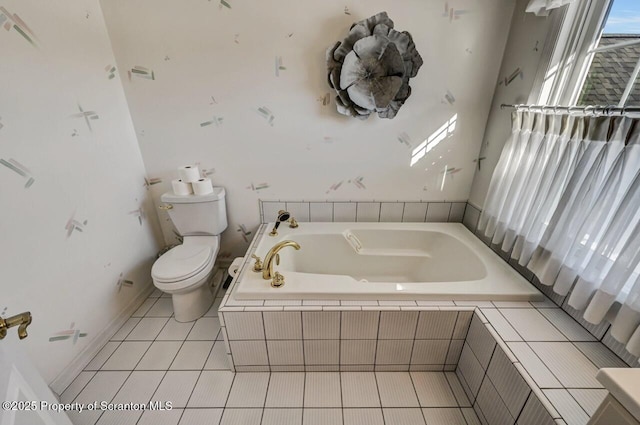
170, 197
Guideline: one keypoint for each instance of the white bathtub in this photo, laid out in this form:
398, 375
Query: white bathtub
379, 261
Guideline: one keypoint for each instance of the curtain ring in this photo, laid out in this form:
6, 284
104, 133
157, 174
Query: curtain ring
587, 109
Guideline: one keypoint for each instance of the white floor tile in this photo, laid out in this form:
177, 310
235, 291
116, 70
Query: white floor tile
567, 325
144, 307
159, 356
119, 417
359, 389
162, 308
534, 413
248, 390
567, 406
147, 329
125, 329
282, 417
127, 356
322, 389
322, 417
500, 324
567, 363
192, 355
102, 387
156, 293
212, 389
217, 358
176, 387
241, 417
158, 417
102, 356
76, 386
201, 417
600, 355
139, 387
534, 366
396, 389
531, 324
433, 390
403, 417
589, 399
175, 331
205, 329
363, 417
286, 389
444, 416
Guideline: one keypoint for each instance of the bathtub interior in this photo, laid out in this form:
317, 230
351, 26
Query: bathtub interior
381, 261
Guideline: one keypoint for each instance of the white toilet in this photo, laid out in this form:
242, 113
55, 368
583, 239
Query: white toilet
185, 271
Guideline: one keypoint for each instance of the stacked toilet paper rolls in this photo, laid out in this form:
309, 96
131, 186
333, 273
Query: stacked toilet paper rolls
202, 186
190, 182
181, 187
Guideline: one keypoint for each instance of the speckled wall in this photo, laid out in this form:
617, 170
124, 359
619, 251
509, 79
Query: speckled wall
241, 88
77, 238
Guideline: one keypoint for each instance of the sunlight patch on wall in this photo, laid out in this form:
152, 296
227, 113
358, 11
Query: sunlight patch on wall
446, 130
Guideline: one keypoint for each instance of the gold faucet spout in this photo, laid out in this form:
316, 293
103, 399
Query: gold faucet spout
267, 269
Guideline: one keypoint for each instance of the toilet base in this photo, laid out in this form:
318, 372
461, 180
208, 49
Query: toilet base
192, 305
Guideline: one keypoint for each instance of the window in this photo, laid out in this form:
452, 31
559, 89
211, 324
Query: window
612, 78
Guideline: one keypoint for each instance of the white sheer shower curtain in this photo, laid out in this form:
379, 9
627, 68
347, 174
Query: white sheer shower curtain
564, 199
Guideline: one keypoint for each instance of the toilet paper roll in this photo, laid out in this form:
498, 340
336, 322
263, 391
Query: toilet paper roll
235, 265
202, 186
189, 173
181, 188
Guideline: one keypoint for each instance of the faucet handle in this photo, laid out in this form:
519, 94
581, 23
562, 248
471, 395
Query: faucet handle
257, 266
278, 280
293, 223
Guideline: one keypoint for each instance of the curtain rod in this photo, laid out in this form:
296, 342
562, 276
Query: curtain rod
585, 109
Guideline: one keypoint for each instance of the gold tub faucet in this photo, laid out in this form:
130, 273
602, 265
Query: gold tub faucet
272, 255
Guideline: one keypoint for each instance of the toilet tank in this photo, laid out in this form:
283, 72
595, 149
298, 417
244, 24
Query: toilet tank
198, 214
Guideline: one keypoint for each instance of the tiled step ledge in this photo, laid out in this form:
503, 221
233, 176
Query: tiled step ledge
532, 367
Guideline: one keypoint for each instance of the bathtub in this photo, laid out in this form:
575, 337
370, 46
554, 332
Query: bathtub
381, 261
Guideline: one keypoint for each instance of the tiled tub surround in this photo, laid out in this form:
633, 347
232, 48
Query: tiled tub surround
600, 332
518, 362
365, 211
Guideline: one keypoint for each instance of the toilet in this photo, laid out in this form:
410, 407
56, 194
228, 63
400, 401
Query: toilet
185, 270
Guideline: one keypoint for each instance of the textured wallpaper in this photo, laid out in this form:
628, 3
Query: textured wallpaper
241, 88
76, 218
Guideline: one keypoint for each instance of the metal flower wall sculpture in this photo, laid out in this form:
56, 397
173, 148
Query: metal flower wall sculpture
370, 69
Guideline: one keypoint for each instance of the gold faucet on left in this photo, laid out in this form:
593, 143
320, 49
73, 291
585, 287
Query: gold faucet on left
21, 320
267, 269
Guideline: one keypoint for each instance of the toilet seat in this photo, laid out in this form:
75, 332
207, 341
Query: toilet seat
181, 263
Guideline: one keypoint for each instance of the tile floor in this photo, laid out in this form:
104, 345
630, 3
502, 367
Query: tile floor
154, 358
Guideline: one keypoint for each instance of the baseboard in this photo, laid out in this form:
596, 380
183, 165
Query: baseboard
69, 373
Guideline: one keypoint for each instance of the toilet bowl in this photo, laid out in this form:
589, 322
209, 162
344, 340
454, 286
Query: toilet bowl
184, 272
